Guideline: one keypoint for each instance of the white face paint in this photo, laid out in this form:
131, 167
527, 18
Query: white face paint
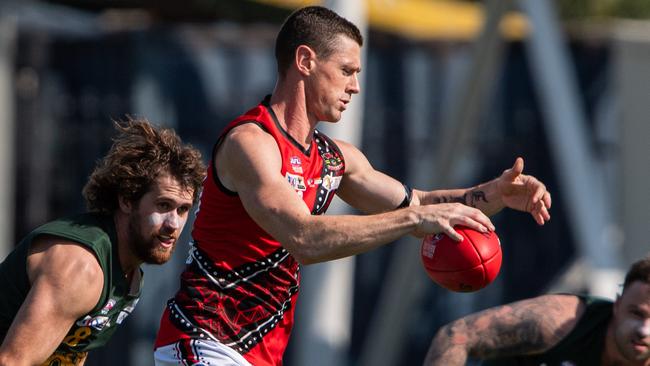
167, 219
155, 219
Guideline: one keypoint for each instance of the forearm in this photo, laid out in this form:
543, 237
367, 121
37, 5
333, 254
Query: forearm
483, 197
445, 350
323, 238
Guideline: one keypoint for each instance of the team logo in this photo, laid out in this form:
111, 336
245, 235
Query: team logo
296, 181
332, 162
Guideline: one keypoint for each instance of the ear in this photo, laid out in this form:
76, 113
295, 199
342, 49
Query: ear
305, 59
125, 205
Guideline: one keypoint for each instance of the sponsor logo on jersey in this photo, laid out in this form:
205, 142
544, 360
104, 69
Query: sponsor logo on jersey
331, 182
97, 322
109, 305
313, 182
296, 164
296, 181
131, 306
120, 318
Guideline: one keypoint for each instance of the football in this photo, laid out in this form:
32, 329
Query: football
464, 266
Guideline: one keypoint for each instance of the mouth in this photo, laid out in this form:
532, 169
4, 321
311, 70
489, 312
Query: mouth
166, 241
641, 349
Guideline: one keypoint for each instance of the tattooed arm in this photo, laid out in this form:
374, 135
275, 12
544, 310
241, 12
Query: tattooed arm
526, 327
512, 189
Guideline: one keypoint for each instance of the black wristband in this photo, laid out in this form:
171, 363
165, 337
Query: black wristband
407, 198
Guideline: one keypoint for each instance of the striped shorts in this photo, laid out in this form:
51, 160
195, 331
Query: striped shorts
198, 352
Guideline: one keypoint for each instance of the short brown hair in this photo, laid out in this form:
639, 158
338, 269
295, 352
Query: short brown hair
640, 271
139, 154
313, 26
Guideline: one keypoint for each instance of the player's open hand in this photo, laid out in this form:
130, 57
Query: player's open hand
442, 217
524, 192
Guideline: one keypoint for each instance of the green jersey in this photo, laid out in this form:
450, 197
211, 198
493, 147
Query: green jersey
581, 347
118, 298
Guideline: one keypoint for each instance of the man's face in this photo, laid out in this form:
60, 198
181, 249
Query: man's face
157, 220
329, 89
632, 324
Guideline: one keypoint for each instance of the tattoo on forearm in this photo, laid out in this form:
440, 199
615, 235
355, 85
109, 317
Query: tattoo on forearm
450, 199
519, 329
477, 196
471, 198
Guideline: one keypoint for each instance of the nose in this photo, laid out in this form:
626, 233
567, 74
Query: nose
643, 330
173, 220
353, 85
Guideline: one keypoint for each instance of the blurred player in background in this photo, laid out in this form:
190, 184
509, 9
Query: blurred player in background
68, 284
563, 330
271, 178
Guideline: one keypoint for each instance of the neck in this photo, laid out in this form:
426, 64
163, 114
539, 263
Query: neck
128, 260
289, 104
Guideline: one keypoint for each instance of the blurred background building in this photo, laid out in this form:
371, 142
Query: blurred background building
453, 92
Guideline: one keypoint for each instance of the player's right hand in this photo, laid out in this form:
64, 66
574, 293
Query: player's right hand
442, 217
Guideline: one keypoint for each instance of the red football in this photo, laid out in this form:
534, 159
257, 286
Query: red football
464, 266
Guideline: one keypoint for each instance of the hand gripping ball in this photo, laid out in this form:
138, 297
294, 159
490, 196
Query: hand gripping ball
464, 266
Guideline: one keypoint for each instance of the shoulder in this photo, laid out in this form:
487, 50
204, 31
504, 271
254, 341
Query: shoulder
64, 263
351, 153
247, 135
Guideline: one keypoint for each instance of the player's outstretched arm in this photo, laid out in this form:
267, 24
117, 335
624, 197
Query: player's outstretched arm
248, 162
521, 328
66, 283
512, 189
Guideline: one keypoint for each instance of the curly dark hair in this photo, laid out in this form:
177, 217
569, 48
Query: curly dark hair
316, 27
639, 271
139, 154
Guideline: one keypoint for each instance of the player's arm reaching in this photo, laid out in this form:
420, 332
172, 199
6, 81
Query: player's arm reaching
66, 283
372, 191
512, 189
522, 328
249, 163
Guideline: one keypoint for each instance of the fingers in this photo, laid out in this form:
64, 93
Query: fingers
547, 200
540, 190
540, 212
540, 202
452, 233
475, 219
517, 168
470, 217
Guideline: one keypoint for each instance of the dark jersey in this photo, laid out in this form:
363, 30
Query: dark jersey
240, 286
581, 347
97, 232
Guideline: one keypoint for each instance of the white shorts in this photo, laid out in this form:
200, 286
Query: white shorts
198, 352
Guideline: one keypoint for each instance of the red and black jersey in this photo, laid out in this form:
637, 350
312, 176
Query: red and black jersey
240, 285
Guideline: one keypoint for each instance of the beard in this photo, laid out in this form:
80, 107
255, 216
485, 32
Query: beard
146, 248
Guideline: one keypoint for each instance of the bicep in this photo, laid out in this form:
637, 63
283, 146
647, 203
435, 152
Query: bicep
366, 188
255, 174
66, 282
527, 327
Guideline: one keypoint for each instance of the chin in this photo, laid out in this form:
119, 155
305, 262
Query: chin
158, 256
